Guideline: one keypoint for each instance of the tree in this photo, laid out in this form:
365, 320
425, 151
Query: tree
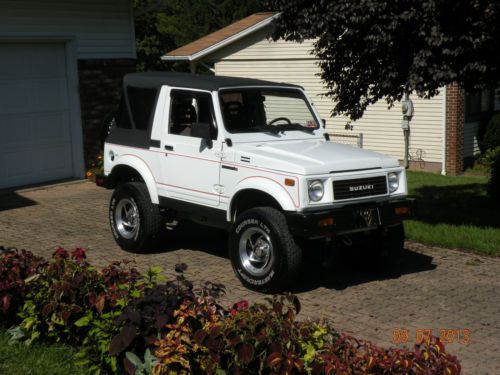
382, 49
163, 25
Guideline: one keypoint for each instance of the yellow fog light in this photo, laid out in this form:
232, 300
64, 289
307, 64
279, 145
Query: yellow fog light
402, 210
326, 222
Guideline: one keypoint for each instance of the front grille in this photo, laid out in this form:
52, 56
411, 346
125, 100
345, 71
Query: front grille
360, 187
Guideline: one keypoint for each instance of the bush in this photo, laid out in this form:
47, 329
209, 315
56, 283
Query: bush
15, 267
491, 138
267, 339
61, 293
118, 318
494, 183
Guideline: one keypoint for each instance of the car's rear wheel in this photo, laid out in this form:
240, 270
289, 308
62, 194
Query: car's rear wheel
263, 253
135, 221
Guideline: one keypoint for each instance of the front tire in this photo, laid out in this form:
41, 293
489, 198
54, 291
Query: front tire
135, 221
263, 252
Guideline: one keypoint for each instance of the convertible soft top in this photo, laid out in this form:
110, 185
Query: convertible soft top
194, 81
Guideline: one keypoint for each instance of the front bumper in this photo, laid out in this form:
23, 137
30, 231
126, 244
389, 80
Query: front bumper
349, 219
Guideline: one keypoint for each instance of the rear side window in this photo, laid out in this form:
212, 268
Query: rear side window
122, 119
142, 104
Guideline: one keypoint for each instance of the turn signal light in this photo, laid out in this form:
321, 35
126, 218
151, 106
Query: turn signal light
99, 180
326, 222
402, 210
289, 182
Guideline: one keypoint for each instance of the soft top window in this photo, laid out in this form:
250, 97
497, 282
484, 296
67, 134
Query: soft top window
142, 104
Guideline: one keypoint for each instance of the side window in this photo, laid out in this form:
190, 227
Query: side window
122, 119
188, 108
142, 104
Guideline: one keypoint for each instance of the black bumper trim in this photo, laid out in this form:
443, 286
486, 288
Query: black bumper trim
347, 219
104, 181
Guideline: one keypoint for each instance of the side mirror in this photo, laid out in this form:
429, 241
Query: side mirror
323, 121
202, 130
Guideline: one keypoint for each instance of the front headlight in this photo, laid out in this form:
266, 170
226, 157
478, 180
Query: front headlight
316, 190
393, 181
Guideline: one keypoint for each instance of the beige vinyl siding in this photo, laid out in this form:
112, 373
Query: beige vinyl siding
101, 28
281, 61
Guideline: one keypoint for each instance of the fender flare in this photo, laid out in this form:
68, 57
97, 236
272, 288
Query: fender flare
267, 186
142, 168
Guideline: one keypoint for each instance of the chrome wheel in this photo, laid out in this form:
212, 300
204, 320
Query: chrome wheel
127, 218
256, 251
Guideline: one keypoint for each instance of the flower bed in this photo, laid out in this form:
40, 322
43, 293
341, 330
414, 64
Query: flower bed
124, 321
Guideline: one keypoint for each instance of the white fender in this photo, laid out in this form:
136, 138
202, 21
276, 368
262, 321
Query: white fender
286, 196
141, 167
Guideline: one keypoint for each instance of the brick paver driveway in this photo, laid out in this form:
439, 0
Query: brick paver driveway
432, 289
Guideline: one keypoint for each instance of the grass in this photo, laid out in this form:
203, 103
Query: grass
454, 212
37, 359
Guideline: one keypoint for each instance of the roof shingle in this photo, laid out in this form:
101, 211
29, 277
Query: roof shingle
220, 35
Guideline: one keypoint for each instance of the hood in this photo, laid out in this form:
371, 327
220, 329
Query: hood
312, 157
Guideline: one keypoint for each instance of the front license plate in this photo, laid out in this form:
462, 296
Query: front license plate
367, 217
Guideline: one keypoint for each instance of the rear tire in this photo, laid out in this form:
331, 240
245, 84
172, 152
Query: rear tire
263, 252
135, 221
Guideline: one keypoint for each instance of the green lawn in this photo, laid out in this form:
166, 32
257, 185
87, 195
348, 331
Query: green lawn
38, 359
454, 212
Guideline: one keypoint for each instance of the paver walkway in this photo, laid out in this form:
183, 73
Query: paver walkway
433, 288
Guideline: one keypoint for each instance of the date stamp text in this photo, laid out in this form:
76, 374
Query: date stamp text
420, 335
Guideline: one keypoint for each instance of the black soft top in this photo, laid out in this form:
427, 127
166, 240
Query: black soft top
194, 81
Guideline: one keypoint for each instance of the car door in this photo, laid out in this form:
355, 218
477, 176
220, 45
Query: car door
190, 167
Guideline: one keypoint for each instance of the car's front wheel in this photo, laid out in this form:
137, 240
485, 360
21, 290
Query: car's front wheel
135, 221
263, 252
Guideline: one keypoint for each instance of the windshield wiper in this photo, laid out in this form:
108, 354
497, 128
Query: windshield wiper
268, 128
294, 126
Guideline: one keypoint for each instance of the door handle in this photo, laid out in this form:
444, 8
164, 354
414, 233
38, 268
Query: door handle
169, 148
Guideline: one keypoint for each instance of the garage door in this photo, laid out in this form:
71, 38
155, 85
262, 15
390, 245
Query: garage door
35, 138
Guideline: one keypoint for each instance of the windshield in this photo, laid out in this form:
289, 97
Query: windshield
252, 110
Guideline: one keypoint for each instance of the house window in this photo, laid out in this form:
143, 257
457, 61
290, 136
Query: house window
478, 104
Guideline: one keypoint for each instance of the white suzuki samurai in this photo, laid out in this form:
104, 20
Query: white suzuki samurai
251, 157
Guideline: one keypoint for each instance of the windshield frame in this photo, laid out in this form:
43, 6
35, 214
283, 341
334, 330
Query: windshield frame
294, 89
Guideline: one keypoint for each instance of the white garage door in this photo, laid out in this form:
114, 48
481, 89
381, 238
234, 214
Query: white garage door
35, 138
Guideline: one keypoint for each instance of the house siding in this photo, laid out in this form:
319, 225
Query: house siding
282, 61
102, 29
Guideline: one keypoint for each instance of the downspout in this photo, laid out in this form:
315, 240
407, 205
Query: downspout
443, 167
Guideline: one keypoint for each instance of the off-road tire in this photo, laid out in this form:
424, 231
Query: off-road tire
286, 259
148, 216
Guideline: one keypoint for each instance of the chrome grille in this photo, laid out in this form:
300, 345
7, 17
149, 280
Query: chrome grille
360, 187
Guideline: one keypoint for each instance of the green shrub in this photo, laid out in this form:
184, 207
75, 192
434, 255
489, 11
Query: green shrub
118, 318
61, 293
267, 339
15, 267
494, 183
491, 138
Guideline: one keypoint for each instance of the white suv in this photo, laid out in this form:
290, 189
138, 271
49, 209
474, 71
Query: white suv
251, 157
